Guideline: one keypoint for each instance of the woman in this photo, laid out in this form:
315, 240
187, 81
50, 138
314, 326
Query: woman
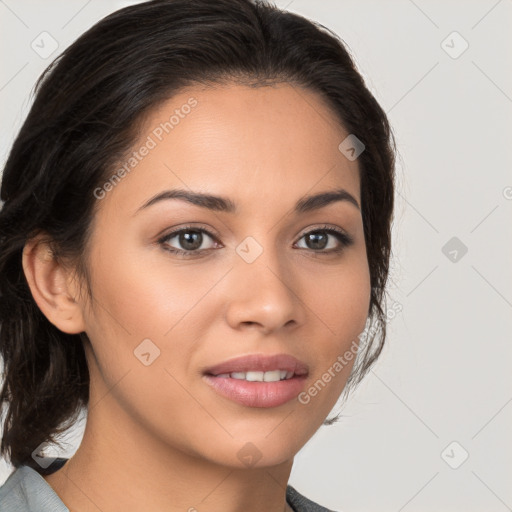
195, 241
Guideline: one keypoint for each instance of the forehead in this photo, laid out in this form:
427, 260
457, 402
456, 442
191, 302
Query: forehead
280, 141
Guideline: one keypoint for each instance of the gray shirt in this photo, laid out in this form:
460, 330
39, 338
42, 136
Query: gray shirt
27, 491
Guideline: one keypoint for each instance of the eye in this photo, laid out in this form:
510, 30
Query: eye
318, 239
189, 238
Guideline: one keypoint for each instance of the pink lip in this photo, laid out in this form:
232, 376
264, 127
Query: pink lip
258, 394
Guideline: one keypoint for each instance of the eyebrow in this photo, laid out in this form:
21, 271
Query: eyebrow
224, 204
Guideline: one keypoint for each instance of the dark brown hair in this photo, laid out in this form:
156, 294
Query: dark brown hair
86, 112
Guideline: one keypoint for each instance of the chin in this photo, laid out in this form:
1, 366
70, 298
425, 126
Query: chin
252, 452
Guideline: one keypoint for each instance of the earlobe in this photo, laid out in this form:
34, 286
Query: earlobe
51, 288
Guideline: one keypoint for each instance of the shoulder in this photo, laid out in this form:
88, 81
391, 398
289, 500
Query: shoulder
25, 490
302, 504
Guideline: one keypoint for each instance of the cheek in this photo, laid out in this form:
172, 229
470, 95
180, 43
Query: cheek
143, 295
343, 312
340, 301
342, 298
139, 298
142, 310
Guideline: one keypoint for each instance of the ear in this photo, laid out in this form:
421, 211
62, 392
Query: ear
52, 287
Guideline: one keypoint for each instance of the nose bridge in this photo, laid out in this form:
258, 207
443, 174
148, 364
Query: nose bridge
260, 258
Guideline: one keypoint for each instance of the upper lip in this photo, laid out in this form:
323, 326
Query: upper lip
260, 363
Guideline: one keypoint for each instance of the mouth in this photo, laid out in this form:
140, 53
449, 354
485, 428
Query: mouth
258, 380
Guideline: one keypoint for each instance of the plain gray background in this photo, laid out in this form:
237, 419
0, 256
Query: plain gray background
441, 390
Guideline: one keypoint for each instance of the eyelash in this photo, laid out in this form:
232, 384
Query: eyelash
344, 239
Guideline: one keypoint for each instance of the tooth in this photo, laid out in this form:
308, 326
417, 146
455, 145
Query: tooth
272, 376
223, 375
254, 376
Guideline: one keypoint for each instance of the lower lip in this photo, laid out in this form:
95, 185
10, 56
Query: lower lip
257, 394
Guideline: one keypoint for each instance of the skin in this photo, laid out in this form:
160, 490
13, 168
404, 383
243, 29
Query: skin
158, 437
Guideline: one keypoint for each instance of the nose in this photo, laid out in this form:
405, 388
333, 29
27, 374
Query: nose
264, 295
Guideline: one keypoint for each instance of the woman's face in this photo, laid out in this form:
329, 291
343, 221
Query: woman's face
263, 279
